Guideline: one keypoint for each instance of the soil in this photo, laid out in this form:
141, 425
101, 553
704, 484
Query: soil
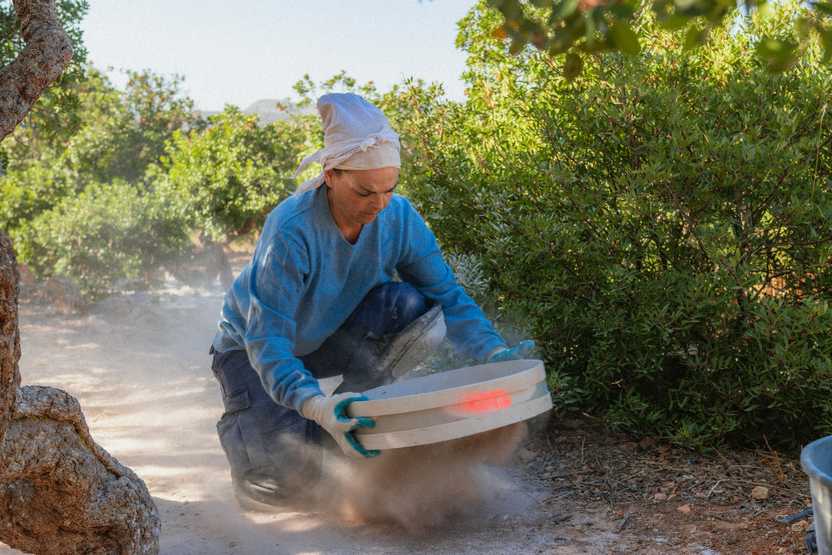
139, 365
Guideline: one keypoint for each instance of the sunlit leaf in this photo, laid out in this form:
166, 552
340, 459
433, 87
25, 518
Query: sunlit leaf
624, 38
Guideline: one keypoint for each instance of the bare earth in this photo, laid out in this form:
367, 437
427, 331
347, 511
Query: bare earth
138, 363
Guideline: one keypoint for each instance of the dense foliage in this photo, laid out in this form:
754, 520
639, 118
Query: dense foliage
661, 223
225, 179
581, 27
106, 237
53, 188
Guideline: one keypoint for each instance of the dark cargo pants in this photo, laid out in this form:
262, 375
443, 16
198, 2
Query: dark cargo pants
263, 439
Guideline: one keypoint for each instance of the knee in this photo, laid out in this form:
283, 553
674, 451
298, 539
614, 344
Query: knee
400, 302
410, 304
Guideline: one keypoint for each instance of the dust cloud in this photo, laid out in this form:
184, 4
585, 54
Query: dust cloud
421, 488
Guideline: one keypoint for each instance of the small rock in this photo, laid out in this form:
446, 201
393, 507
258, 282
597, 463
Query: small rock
525, 455
800, 526
647, 442
660, 497
684, 509
759, 493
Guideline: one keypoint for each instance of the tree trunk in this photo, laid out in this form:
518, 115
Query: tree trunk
9, 335
59, 491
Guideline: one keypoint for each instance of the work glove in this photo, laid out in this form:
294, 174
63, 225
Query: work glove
521, 350
331, 414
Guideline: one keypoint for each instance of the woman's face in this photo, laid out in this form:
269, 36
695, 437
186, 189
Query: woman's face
359, 195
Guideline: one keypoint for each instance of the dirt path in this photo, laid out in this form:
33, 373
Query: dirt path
138, 364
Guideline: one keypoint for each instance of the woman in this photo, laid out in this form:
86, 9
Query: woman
318, 299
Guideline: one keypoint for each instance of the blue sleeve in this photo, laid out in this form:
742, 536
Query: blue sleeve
276, 285
423, 266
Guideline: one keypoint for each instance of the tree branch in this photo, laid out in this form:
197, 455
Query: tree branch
47, 53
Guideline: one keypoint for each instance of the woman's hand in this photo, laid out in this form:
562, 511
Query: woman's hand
331, 414
521, 350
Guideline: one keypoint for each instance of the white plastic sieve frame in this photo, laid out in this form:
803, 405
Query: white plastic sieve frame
508, 377
457, 429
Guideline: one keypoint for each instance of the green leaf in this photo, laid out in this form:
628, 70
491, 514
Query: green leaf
573, 66
511, 9
695, 37
674, 22
803, 26
826, 40
517, 44
824, 7
624, 38
564, 9
779, 55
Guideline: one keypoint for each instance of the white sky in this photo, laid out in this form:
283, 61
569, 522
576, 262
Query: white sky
244, 50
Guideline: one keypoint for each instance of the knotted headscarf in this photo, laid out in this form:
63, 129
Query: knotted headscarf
357, 136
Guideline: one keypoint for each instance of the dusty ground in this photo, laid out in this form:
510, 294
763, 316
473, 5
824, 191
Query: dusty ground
138, 363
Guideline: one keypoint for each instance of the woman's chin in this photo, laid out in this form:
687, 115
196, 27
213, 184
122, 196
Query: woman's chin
366, 218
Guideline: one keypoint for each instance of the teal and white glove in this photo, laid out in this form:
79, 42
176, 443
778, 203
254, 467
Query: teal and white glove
331, 414
521, 350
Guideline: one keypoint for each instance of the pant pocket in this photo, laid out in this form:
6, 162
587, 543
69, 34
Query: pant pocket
231, 439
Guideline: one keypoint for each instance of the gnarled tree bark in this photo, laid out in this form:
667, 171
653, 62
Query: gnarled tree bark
59, 491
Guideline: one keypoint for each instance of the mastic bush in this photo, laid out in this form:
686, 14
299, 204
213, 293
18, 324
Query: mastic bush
108, 234
663, 223
30, 191
225, 179
104, 135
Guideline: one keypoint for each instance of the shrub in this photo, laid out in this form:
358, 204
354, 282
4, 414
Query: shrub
662, 223
28, 192
224, 180
108, 233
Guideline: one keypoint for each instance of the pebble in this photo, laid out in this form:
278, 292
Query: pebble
684, 509
800, 526
759, 493
660, 497
647, 442
525, 455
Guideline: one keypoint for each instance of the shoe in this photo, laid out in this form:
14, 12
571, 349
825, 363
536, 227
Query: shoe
259, 493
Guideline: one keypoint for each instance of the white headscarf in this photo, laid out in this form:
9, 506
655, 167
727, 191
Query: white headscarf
357, 136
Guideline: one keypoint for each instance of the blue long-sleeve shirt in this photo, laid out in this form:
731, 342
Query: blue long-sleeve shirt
305, 279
